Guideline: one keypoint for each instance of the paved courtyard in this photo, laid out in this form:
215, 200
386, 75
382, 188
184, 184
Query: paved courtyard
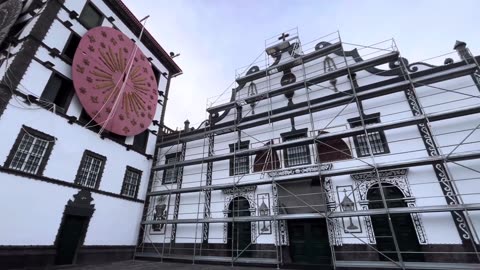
149, 265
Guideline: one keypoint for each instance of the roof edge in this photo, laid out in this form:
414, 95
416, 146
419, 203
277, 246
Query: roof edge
124, 13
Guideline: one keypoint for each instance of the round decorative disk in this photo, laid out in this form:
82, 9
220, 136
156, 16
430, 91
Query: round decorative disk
9, 12
114, 82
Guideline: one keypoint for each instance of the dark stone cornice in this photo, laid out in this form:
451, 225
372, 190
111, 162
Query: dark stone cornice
26, 176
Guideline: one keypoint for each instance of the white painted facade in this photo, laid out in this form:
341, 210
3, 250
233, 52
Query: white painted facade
35, 207
419, 184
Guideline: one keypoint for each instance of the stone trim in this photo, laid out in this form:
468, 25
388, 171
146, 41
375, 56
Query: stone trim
248, 192
398, 178
440, 169
176, 206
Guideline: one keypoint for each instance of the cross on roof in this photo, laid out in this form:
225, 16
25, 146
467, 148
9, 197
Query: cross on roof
283, 36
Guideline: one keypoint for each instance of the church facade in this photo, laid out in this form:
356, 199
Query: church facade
83, 93
330, 157
324, 155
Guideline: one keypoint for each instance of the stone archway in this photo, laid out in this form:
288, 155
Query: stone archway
403, 227
248, 193
397, 178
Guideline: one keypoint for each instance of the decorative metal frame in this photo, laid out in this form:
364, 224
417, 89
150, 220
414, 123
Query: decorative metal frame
398, 178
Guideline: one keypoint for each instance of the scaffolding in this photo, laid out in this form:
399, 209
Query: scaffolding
201, 177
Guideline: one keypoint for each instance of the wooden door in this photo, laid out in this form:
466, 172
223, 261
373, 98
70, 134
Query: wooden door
402, 223
70, 237
309, 242
239, 233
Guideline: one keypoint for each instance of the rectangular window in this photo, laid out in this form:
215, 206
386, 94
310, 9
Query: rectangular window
239, 164
377, 139
72, 45
156, 72
296, 155
90, 170
170, 175
30, 152
90, 16
140, 141
59, 91
131, 182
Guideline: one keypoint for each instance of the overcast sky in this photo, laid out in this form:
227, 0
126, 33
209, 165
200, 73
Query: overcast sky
215, 38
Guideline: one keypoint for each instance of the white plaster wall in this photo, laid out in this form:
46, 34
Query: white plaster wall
114, 222
34, 217
37, 212
405, 143
34, 213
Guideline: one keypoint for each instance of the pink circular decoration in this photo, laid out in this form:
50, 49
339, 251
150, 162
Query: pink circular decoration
120, 97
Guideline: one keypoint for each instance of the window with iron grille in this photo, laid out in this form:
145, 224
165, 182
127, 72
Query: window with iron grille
376, 138
170, 175
296, 155
239, 164
30, 151
131, 182
91, 169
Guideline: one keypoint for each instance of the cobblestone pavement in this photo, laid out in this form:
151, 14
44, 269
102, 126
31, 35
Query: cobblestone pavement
149, 265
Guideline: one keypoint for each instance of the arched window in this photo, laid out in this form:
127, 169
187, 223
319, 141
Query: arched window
402, 224
266, 160
332, 150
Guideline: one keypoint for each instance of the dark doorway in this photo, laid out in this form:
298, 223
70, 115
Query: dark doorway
73, 227
309, 243
71, 234
402, 224
239, 233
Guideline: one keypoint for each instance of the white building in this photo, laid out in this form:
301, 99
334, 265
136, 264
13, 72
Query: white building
71, 193
327, 156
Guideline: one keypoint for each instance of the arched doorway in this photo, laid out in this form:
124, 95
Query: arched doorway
266, 160
402, 224
239, 233
332, 150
